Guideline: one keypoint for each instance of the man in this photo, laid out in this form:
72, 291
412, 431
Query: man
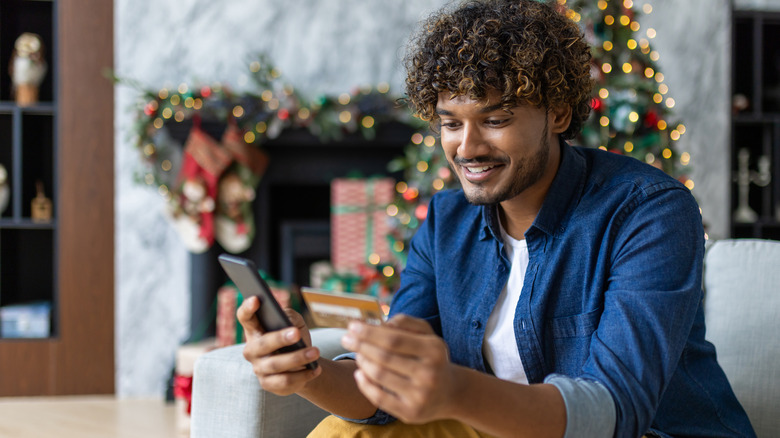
557, 294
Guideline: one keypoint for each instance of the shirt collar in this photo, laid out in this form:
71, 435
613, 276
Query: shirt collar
562, 197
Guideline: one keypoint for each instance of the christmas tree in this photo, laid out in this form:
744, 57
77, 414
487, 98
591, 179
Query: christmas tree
632, 110
631, 115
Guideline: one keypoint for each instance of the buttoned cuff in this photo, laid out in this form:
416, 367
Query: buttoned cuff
590, 409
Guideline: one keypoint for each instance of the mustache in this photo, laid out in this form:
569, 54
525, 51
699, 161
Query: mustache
479, 160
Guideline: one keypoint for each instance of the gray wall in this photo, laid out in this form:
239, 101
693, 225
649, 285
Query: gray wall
330, 46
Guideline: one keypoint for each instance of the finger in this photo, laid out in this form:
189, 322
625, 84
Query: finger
409, 323
392, 339
295, 318
394, 379
288, 383
268, 343
247, 318
286, 362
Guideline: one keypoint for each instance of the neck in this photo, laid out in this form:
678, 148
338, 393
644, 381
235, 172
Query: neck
518, 214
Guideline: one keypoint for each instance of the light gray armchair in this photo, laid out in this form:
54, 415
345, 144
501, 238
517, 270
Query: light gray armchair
742, 307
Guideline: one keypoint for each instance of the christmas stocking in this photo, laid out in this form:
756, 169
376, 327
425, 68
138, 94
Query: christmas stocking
193, 204
235, 227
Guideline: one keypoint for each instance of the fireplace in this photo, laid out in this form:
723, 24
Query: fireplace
292, 207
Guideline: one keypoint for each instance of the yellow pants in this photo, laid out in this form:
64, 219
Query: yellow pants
334, 427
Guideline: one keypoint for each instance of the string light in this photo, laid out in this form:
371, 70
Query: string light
344, 99
167, 113
659, 77
175, 99
627, 67
163, 94
661, 125
261, 127
345, 116
422, 166
647, 8
685, 158
631, 44
624, 20
633, 116
238, 111
604, 121
267, 95
670, 102
674, 135
649, 72
182, 89
651, 33
367, 122
607, 45
667, 153
603, 93
430, 141
628, 146
606, 67
609, 20
166, 165
417, 138
249, 137
392, 210
401, 187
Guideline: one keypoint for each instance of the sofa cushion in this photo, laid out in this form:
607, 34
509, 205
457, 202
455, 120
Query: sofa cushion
742, 312
227, 400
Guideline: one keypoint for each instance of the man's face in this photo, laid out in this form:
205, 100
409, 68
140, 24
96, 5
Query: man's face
497, 154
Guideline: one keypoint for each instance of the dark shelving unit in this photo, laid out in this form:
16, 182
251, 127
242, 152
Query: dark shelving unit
756, 118
28, 151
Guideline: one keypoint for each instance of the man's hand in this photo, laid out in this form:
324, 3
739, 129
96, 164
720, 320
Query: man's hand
403, 368
281, 374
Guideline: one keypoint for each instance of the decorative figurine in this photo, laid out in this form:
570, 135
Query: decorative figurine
5, 190
27, 68
40, 205
743, 178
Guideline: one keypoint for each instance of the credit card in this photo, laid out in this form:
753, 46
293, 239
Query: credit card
337, 309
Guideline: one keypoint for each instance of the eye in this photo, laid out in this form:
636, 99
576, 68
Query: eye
450, 124
495, 122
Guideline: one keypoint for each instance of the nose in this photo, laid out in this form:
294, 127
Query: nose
472, 142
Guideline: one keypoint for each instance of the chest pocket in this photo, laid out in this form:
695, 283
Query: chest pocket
567, 341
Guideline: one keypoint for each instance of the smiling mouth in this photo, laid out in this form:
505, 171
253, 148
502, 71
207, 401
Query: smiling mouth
478, 170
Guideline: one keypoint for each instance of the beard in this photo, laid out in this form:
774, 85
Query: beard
527, 172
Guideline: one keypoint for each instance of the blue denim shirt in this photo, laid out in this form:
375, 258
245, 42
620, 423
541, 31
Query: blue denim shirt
612, 294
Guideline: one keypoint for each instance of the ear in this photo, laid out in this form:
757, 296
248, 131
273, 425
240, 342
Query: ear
559, 118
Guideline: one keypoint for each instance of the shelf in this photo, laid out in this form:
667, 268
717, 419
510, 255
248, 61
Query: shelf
43, 108
27, 224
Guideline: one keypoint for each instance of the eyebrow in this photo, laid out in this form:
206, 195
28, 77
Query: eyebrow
485, 110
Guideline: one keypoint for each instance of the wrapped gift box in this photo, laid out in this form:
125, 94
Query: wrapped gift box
359, 225
228, 330
186, 356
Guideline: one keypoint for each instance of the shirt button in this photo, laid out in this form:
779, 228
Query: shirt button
476, 324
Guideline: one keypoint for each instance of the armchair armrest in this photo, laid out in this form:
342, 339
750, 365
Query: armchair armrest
227, 399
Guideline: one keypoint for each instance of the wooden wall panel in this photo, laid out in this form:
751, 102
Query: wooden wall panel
84, 356
25, 367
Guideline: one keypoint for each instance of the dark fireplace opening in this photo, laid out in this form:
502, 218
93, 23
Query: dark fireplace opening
292, 207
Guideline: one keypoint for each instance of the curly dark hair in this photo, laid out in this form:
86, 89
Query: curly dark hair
526, 49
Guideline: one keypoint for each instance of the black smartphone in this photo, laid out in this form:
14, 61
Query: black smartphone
271, 316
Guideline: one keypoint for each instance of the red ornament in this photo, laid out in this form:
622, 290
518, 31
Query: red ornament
651, 119
205, 91
421, 212
411, 194
283, 114
596, 104
150, 109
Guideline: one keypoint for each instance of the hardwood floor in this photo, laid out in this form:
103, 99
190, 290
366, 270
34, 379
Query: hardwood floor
86, 417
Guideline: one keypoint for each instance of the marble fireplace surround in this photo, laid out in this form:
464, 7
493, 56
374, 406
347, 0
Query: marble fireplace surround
331, 47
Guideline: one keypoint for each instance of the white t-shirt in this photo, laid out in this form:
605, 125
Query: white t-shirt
500, 344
